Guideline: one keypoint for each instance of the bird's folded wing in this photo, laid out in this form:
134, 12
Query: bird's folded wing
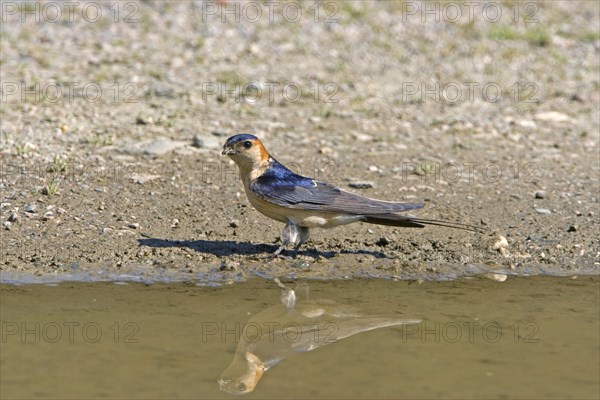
321, 196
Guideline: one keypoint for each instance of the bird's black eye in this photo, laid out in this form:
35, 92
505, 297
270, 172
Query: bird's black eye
247, 144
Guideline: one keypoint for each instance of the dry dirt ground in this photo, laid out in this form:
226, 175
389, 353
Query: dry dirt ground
113, 115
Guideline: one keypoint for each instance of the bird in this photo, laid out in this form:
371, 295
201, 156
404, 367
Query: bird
303, 203
298, 324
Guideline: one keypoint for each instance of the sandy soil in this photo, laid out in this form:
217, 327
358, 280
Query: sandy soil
111, 136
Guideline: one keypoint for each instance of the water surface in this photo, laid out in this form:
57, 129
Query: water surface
527, 337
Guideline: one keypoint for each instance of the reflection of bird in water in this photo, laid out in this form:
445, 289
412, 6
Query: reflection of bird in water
296, 325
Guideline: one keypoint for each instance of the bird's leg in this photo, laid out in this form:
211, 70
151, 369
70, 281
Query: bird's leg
304, 235
290, 235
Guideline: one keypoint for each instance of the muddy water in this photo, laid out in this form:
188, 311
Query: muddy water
524, 338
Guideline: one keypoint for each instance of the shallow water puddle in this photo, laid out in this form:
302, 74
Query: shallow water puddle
524, 338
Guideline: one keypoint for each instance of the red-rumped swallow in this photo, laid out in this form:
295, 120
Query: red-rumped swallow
303, 203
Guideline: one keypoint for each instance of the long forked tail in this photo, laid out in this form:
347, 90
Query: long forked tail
390, 219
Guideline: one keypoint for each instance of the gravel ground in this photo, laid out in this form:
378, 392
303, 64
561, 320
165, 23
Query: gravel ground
112, 128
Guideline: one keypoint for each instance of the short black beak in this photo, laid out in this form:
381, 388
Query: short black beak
227, 151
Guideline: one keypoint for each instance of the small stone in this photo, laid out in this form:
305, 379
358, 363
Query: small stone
156, 147
496, 277
134, 225
141, 178
361, 184
30, 208
383, 241
234, 223
175, 223
552, 116
544, 211
300, 264
141, 120
500, 243
13, 217
373, 168
205, 142
526, 123
540, 194
362, 137
164, 91
572, 228
7, 225
228, 266
159, 147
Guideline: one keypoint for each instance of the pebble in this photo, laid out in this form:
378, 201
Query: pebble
205, 142
7, 225
552, 116
175, 223
573, 228
30, 208
361, 184
155, 147
142, 178
373, 168
540, 194
383, 241
362, 137
234, 223
140, 120
526, 123
160, 146
496, 277
228, 265
500, 243
13, 217
544, 211
134, 225
164, 91
300, 264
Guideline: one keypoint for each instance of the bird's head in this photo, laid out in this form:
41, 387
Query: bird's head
246, 150
247, 381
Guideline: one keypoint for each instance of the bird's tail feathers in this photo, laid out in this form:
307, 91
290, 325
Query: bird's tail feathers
390, 219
